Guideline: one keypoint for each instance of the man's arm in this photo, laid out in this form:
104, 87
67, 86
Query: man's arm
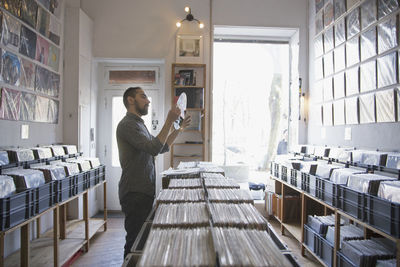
172, 116
172, 136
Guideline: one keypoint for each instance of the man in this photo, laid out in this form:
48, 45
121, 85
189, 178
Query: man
137, 149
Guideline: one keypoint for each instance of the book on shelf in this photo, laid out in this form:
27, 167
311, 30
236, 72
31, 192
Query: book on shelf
185, 77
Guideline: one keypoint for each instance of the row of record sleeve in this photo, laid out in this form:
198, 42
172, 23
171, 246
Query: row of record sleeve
380, 106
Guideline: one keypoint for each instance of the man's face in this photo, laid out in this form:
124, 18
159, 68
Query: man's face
141, 103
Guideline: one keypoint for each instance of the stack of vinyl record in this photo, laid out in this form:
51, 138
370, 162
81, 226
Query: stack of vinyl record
365, 252
340, 176
26, 178
18, 155
229, 195
187, 165
211, 175
94, 162
70, 149
181, 195
241, 247
4, 160
182, 173
324, 170
7, 186
347, 232
42, 152
393, 161
70, 168
181, 215
57, 151
179, 247
220, 183
386, 263
51, 172
238, 215
367, 183
390, 190
185, 183
320, 223
84, 165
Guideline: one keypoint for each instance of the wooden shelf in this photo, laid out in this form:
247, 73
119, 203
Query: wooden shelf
315, 256
294, 229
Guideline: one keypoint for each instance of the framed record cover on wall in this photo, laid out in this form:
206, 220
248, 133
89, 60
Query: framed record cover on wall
189, 49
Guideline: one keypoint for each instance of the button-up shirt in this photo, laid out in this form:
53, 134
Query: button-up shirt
137, 149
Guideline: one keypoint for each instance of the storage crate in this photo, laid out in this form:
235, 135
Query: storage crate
356, 198
284, 173
16, 201
352, 209
327, 191
13, 218
383, 207
311, 239
384, 223
309, 183
325, 251
343, 261
80, 183
63, 195
43, 204
293, 177
45, 190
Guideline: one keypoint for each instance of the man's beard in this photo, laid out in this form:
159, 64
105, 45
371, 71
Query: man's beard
142, 111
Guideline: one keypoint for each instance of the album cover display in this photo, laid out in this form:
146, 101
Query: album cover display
42, 50
47, 82
385, 106
29, 12
368, 13
319, 23
327, 114
319, 4
351, 3
41, 109
54, 57
27, 74
387, 70
351, 108
338, 112
386, 7
353, 23
43, 21
10, 32
54, 31
368, 76
338, 89
387, 34
340, 8
328, 13
352, 52
328, 64
45, 3
318, 46
28, 42
368, 43
340, 58
328, 91
13, 6
367, 108
340, 32
319, 69
352, 81
10, 68
328, 39
10, 101
52, 116
27, 107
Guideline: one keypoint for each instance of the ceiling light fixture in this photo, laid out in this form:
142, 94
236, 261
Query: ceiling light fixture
189, 17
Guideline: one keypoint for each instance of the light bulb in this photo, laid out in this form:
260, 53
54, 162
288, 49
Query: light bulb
187, 9
178, 24
201, 25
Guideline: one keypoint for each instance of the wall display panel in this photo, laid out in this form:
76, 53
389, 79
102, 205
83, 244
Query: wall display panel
368, 76
352, 51
386, 106
27, 107
339, 8
54, 57
352, 81
368, 13
351, 110
45, 3
338, 112
328, 39
47, 82
368, 43
10, 32
353, 23
387, 70
328, 64
319, 22
27, 74
328, 13
386, 7
12, 6
340, 58
29, 12
338, 88
327, 111
54, 31
53, 111
318, 92
11, 68
10, 102
43, 21
28, 42
328, 89
367, 108
41, 109
42, 50
319, 68
55, 7
351, 3
387, 34
340, 32
319, 46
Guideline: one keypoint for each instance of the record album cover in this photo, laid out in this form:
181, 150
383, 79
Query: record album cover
54, 31
42, 50
10, 102
12, 6
41, 109
47, 82
27, 76
29, 12
43, 21
319, 4
28, 42
27, 107
340, 8
54, 58
11, 31
386, 106
328, 13
10, 68
327, 114
52, 116
367, 108
351, 110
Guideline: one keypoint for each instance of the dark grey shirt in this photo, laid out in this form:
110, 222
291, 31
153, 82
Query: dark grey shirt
137, 149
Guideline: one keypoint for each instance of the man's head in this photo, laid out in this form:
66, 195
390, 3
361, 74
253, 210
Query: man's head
136, 101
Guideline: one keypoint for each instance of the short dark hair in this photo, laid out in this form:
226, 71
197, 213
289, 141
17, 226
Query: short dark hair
131, 91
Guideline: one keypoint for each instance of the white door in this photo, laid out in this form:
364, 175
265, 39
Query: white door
114, 110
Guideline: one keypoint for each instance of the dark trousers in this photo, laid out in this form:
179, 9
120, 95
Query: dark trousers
136, 207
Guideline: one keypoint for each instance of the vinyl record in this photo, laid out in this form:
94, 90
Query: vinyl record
27, 76
28, 42
54, 58
11, 32
47, 82
11, 68
27, 109
43, 21
29, 12
42, 50
9, 106
54, 31
52, 116
41, 109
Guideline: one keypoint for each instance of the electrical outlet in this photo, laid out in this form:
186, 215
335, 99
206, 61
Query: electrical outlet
24, 131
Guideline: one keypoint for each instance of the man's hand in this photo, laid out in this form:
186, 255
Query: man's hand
173, 114
186, 122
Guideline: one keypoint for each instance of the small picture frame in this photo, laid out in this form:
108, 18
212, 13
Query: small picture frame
189, 49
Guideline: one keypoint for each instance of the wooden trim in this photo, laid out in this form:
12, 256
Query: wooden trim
105, 205
63, 220
25, 253
56, 236
38, 228
336, 245
86, 218
303, 220
1, 249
